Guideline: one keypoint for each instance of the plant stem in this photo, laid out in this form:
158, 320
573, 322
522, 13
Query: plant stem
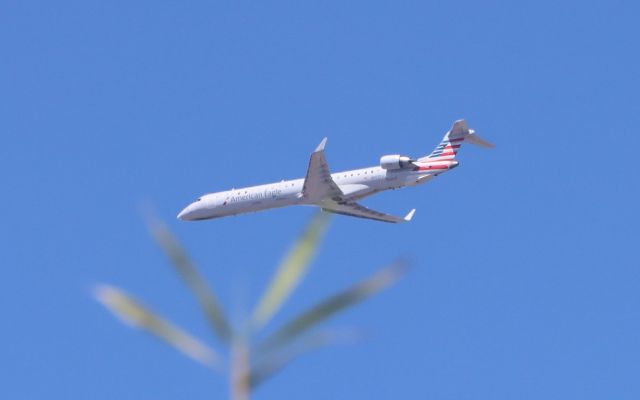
239, 370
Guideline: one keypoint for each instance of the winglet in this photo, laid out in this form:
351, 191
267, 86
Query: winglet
321, 145
408, 217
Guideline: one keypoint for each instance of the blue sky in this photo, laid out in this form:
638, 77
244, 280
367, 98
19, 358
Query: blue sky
525, 283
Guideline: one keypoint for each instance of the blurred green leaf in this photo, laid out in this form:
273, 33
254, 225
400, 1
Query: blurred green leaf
134, 313
291, 270
270, 365
189, 273
334, 304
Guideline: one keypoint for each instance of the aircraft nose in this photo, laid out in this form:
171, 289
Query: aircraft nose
187, 213
182, 214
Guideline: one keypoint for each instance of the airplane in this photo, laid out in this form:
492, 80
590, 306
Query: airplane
338, 192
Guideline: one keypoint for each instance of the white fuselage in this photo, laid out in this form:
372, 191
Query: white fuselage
354, 184
338, 192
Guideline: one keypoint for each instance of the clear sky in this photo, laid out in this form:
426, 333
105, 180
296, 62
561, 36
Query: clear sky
526, 277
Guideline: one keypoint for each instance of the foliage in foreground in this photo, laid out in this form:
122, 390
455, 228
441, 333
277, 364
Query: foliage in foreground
251, 361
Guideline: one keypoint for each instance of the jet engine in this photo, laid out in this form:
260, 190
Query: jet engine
395, 161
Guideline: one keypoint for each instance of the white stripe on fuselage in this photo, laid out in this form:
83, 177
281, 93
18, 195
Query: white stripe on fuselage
355, 184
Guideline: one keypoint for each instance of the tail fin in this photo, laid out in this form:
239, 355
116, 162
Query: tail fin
452, 140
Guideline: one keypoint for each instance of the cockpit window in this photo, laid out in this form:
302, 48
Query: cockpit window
199, 198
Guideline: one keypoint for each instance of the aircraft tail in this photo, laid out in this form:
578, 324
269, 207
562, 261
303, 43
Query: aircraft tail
452, 140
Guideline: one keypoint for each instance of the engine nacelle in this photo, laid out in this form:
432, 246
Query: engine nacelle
395, 161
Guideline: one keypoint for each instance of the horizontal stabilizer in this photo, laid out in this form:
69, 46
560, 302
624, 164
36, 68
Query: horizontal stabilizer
452, 141
477, 140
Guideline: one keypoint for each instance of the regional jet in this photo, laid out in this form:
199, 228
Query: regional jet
338, 192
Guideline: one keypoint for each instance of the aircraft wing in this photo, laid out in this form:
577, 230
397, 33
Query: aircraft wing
356, 210
318, 184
